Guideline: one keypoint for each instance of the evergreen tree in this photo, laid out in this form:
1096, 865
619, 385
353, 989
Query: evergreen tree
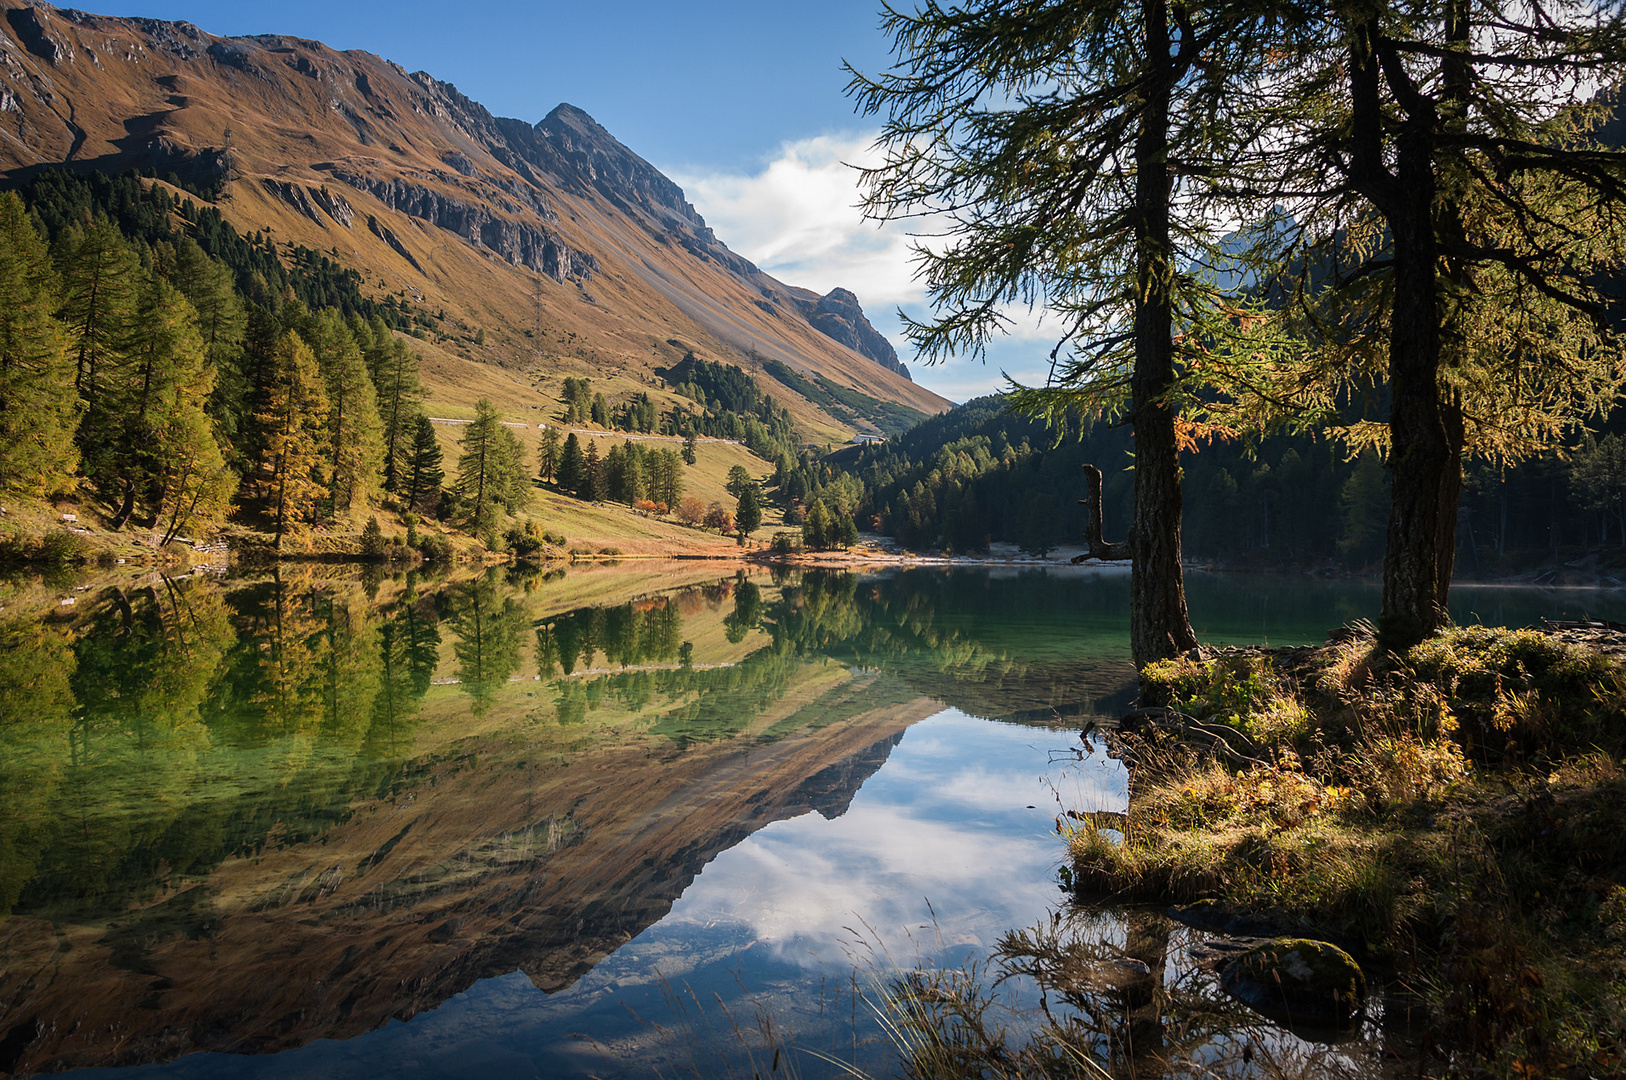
547, 457
601, 411
291, 466
572, 466
592, 489
423, 473
37, 399
689, 444
748, 514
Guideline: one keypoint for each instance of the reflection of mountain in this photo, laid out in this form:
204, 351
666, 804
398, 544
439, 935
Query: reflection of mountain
336, 885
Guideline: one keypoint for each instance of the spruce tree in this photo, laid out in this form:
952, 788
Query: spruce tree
37, 400
572, 466
423, 473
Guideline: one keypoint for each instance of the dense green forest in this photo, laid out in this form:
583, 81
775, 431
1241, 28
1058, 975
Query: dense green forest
979, 474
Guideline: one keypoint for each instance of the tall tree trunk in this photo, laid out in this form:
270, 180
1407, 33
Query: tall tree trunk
1426, 470
1159, 626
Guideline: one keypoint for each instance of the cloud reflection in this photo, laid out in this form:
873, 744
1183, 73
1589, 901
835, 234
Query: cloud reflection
940, 846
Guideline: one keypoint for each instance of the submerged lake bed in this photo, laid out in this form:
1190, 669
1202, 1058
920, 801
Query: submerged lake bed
575, 822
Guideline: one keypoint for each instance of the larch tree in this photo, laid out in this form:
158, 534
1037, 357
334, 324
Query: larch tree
38, 406
161, 387
1443, 217
292, 465
394, 368
100, 276
480, 479
355, 434
547, 457
1041, 143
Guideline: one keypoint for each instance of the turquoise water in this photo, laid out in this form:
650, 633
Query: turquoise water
527, 824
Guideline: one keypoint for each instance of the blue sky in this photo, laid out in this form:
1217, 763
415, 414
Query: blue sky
740, 102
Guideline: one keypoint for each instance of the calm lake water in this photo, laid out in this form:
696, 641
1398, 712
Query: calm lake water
326, 824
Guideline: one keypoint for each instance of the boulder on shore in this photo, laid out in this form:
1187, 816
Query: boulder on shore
1298, 981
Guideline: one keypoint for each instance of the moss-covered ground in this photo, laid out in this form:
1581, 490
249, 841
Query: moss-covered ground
1459, 809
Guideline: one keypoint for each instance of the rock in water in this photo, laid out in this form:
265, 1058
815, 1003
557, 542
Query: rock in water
1298, 981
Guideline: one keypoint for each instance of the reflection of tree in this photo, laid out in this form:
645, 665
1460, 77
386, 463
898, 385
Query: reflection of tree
36, 704
408, 649
489, 625
351, 667
747, 610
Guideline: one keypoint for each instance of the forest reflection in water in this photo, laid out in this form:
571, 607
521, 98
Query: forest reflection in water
244, 815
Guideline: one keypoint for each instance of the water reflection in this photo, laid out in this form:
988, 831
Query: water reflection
256, 814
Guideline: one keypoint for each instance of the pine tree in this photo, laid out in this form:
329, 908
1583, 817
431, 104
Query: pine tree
689, 451
423, 473
292, 458
37, 400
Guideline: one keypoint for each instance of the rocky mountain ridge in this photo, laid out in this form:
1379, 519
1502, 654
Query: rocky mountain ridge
554, 232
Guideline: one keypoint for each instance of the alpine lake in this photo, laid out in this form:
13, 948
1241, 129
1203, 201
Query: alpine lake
674, 818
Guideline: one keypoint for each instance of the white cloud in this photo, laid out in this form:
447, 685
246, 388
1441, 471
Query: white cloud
798, 218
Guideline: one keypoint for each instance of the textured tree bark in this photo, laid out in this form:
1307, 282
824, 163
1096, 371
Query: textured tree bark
1425, 466
1159, 626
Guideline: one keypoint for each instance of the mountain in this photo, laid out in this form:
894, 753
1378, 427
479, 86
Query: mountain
572, 253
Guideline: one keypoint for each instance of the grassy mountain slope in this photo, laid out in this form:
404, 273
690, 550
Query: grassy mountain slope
574, 256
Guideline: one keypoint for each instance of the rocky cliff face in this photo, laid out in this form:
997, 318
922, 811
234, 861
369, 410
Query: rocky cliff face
463, 209
838, 316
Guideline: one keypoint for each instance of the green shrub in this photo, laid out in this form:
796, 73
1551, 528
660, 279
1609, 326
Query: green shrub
372, 540
435, 548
